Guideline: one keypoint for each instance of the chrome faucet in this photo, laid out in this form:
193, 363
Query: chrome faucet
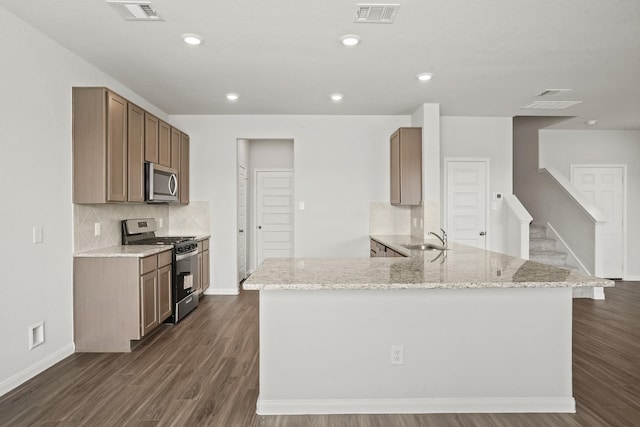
443, 239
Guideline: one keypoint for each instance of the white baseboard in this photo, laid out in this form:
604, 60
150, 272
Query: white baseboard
631, 278
416, 406
222, 291
33, 370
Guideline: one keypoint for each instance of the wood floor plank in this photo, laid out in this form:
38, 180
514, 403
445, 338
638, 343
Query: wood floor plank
204, 372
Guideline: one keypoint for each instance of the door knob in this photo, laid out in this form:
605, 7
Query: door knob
482, 233
241, 231
259, 227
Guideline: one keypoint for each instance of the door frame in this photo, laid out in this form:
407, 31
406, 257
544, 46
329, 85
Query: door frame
445, 193
254, 213
575, 166
246, 219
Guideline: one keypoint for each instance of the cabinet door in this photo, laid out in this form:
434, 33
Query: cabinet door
395, 168
116, 148
205, 271
175, 149
410, 166
135, 164
150, 138
184, 169
149, 313
200, 278
164, 144
164, 292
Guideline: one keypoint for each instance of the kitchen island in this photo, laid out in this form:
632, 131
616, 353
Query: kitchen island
465, 330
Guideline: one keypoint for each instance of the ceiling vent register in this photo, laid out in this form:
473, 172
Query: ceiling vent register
550, 105
135, 10
376, 13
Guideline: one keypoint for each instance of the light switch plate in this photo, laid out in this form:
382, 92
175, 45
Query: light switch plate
37, 234
96, 228
301, 206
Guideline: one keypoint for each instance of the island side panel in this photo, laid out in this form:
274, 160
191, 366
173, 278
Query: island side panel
465, 350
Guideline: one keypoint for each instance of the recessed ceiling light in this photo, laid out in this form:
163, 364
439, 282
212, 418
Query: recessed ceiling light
192, 39
423, 77
350, 40
591, 122
232, 96
337, 97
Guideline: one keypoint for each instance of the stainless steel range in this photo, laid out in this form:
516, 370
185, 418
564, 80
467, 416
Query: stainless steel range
142, 231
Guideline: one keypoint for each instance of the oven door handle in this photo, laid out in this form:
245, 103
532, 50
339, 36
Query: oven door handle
180, 257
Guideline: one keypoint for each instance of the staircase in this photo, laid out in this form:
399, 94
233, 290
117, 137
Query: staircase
543, 249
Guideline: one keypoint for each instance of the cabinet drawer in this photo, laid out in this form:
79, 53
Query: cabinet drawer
148, 264
164, 258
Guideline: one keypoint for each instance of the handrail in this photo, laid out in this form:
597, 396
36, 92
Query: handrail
567, 186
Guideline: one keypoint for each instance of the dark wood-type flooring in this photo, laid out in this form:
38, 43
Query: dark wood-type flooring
204, 372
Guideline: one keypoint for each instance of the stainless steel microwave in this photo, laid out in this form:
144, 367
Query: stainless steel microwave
161, 183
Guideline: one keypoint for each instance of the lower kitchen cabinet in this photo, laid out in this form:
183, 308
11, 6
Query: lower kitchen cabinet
119, 299
203, 266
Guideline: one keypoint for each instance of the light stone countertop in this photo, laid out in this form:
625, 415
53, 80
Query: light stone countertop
460, 267
132, 251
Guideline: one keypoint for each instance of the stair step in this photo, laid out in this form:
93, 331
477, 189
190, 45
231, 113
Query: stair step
548, 257
542, 244
537, 231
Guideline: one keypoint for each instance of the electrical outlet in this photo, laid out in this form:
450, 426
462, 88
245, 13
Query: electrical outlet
96, 228
37, 234
160, 223
397, 355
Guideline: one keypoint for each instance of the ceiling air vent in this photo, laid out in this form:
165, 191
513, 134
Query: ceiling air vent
550, 105
135, 10
376, 13
553, 92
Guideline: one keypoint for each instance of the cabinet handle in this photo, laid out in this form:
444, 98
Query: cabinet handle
241, 231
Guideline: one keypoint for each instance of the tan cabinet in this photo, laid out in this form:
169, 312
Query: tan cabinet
203, 266
176, 136
164, 144
99, 146
183, 173
406, 166
135, 163
119, 299
151, 138
378, 250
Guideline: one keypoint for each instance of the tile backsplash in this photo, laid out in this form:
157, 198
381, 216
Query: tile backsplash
385, 218
192, 219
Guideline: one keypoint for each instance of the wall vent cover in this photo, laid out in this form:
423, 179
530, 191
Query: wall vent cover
553, 92
376, 13
550, 105
135, 10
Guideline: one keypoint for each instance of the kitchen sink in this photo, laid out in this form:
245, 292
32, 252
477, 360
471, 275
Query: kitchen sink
424, 247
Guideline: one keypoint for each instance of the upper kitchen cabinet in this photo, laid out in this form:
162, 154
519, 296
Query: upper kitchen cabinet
135, 162
406, 166
164, 144
151, 138
176, 137
183, 172
99, 146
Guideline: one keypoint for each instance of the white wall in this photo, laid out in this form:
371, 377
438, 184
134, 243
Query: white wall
35, 117
484, 137
263, 154
341, 165
559, 149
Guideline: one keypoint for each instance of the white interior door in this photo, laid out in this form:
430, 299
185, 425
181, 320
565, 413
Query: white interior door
604, 187
274, 214
466, 192
242, 223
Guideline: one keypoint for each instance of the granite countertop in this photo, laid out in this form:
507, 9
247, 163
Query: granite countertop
459, 267
133, 251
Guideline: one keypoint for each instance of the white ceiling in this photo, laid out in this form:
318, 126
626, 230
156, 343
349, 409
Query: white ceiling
488, 57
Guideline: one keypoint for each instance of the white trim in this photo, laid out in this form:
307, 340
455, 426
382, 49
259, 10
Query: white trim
632, 278
33, 370
566, 248
416, 406
624, 204
445, 193
222, 291
573, 193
